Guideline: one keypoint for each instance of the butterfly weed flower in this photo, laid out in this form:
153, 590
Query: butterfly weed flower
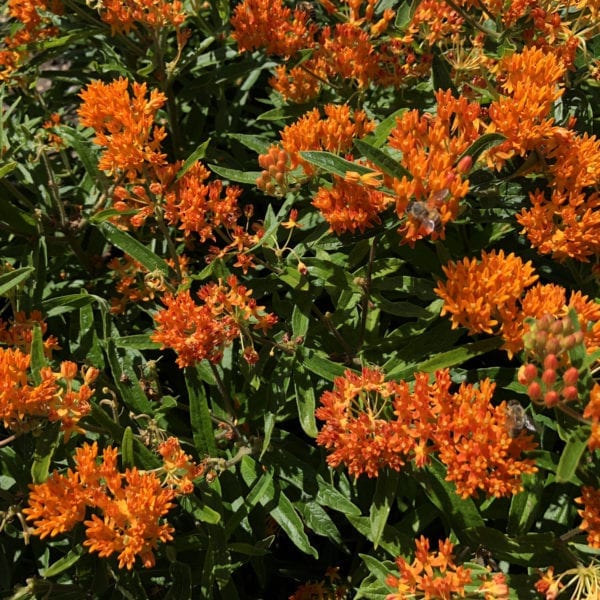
129, 507
430, 575
431, 147
202, 331
124, 124
125, 15
18, 332
474, 441
590, 514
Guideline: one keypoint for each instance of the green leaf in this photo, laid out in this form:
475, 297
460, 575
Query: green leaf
524, 505
193, 158
458, 356
485, 142
441, 75
133, 248
332, 163
571, 455
261, 492
317, 362
7, 168
140, 341
38, 356
286, 516
82, 146
127, 459
57, 305
389, 165
248, 177
259, 144
62, 564
460, 512
202, 427
319, 521
375, 566
305, 401
385, 494
17, 220
329, 495
45, 445
181, 574
12, 279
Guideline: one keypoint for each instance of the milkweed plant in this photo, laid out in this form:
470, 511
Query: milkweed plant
299, 299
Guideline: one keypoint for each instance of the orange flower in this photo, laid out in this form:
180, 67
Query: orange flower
18, 332
349, 206
592, 412
530, 85
270, 25
124, 123
474, 441
132, 505
356, 428
482, 296
198, 332
430, 575
431, 147
179, 468
24, 407
335, 132
199, 207
125, 15
590, 514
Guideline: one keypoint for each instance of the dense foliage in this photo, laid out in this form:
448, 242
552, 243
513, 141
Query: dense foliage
299, 300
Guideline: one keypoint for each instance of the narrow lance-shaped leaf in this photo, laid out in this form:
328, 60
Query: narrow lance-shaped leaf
389, 165
332, 163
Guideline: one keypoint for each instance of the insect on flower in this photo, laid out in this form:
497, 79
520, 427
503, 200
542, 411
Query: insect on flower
309, 8
428, 218
517, 419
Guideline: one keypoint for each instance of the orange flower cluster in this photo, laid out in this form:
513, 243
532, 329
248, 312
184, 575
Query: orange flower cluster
468, 434
131, 504
348, 206
55, 398
18, 332
529, 84
331, 589
590, 514
431, 148
357, 49
435, 575
124, 124
34, 17
335, 132
135, 284
592, 412
201, 331
562, 221
125, 15
491, 296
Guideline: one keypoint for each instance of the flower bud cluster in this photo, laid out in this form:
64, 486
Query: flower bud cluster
549, 376
274, 178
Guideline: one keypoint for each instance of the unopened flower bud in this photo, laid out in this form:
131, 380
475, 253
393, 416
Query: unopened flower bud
551, 362
527, 373
551, 398
534, 391
302, 268
464, 164
569, 393
571, 376
549, 377
552, 346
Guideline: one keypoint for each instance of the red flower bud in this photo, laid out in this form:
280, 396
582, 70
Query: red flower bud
549, 377
551, 398
569, 393
551, 362
534, 391
571, 375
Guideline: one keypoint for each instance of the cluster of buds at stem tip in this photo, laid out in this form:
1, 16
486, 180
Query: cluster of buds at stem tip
274, 178
549, 374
